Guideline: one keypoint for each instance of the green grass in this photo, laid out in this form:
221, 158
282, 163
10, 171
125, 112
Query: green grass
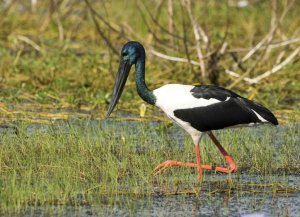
53, 165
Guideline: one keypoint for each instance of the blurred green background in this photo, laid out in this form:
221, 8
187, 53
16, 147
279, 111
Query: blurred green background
64, 54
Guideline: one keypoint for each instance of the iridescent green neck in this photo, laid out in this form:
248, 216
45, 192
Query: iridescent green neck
142, 89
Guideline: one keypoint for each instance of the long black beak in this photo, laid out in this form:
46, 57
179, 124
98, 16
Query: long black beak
123, 72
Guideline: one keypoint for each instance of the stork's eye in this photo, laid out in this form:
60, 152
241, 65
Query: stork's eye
124, 54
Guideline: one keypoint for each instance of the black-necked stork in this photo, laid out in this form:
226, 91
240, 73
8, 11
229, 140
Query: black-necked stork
198, 109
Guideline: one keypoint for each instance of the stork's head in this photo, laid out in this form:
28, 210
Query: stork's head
130, 53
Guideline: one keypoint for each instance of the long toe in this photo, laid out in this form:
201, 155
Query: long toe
164, 166
170, 163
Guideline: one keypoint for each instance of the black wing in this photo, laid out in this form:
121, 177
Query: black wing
233, 111
212, 91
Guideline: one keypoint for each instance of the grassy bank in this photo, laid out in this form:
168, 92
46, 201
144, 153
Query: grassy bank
55, 165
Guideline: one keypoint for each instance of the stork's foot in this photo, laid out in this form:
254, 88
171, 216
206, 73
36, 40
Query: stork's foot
170, 163
232, 168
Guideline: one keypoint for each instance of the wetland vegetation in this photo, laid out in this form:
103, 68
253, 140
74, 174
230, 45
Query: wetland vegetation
58, 61
78, 162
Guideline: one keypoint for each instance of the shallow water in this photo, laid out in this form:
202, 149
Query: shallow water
211, 201
220, 204
216, 205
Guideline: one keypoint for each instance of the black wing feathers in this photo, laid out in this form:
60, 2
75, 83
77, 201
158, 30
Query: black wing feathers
211, 91
262, 111
230, 111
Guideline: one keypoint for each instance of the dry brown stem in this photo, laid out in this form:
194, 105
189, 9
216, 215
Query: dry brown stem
197, 32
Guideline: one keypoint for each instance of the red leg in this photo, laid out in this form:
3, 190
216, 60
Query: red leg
198, 160
232, 166
169, 163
